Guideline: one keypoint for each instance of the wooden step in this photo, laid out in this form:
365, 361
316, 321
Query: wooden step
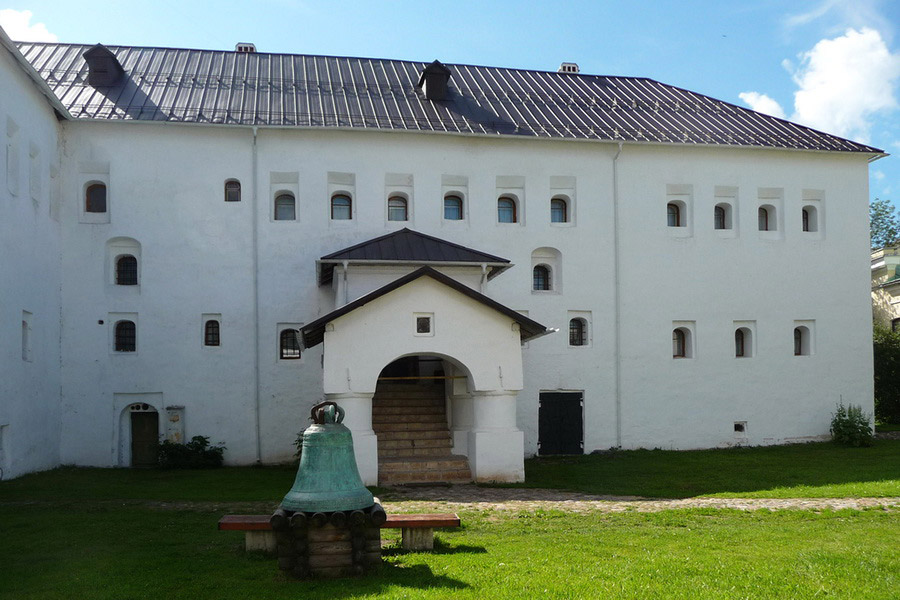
414, 443
409, 426
380, 419
449, 463
415, 452
434, 434
393, 402
416, 409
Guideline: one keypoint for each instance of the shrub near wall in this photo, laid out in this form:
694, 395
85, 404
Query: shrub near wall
196, 454
887, 374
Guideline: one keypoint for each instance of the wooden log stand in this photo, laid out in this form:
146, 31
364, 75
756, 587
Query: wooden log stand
417, 530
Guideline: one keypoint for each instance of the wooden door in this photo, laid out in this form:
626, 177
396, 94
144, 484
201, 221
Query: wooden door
144, 438
560, 423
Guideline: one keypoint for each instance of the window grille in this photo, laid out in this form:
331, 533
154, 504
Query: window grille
211, 333
541, 278
126, 271
126, 336
559, 211
232, 190
453, 208
577, 332
290, 344
673, 215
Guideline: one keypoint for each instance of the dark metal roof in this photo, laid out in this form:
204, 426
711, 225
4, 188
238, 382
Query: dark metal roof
409, 246
288, 90
314, 332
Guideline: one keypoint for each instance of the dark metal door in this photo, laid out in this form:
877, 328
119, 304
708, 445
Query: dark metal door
560, 423
144, 437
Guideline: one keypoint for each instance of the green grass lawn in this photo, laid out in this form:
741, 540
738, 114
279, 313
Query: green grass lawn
822, 470
123, 534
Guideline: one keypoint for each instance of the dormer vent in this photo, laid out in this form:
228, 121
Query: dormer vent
433, 81
104, 68
567, 67
245, 48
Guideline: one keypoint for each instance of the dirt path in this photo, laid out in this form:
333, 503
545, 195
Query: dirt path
470, 497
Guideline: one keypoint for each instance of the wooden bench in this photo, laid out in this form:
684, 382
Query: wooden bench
417, 530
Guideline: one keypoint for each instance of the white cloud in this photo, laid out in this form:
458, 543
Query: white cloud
762, 103
844, 81
846, 13
878, 175
17, 25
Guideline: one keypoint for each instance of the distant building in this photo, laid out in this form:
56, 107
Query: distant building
479, 264
886, 286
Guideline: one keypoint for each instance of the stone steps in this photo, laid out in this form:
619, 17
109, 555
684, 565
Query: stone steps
414, 442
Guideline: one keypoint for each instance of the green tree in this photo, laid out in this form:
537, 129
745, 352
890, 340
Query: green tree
887, 374
884, 223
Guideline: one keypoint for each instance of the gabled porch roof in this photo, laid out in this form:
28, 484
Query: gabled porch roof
408, 246
314, 333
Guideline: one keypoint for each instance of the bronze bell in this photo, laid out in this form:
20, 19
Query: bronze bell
327, 479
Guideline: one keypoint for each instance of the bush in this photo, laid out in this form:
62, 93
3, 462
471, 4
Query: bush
196, 454
887, 374
851, 426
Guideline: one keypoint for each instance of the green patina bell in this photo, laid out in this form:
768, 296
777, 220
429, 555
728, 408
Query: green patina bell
328, 479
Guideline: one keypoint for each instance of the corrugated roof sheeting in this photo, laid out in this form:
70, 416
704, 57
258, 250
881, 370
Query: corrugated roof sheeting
286, 90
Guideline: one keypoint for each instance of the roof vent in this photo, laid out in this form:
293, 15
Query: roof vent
103, 66
569, 68
245, 48
433, 81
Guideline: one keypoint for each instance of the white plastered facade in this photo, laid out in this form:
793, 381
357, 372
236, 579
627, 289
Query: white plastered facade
626, 273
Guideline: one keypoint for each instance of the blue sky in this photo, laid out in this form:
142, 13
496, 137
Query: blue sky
830, 64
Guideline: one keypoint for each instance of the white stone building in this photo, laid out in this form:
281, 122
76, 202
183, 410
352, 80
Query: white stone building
511, 262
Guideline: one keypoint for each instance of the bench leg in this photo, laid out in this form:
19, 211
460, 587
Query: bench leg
418, 538
263, 541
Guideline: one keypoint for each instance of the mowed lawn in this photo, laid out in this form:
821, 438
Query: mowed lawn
122, 534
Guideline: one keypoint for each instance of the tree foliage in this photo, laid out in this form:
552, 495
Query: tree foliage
884, 223
887, 374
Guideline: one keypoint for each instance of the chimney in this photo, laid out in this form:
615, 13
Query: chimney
568, 67
245, 48
433, 81
103, 67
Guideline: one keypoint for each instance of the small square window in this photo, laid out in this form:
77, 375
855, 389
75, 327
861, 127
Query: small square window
424, 324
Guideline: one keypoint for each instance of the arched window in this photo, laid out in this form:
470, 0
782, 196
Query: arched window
95, 198
801, 341
577, 332
211, 333
341, 207
541, 278
673, 214
679, 343
232, 190
506, 210
766, 218
397, 209
126, 336
453, 208
126, 270
285, 207
810, 218
719, 217
559, 210
740, 340
289, 344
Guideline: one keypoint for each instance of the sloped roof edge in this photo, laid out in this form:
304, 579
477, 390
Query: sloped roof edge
32, 73
314, 333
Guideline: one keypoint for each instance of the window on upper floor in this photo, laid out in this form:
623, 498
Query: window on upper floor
285, 207
578, 332
801, 341
95, 198
810, 219
211, 333
232, 190
559, 210
126, 270
506, 210
541, 278
766, 215
289, 344
341, 207
453, 208
674, 216
682, 343
397, 209
722, 216
125, 336
743, 342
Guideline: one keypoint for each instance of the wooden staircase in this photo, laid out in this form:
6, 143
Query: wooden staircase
414, 443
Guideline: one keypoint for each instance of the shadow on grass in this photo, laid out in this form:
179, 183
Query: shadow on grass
439, 548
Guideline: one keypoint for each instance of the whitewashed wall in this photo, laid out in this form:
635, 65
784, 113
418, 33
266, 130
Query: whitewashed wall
165, 185
29, 275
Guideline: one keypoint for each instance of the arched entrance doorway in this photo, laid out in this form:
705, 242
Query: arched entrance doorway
411, 420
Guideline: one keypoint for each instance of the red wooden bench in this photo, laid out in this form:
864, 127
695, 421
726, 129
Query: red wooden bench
417, 530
